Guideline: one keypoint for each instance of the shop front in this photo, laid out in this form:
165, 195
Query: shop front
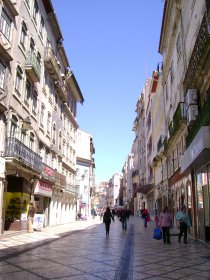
197, 160
16, 201
42, 197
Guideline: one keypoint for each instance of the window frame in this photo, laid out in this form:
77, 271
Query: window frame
5, 24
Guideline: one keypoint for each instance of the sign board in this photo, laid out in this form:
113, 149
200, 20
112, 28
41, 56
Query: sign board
43, 188
38, 223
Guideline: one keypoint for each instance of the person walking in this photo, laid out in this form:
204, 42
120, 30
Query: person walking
146, 216
107, 219
184, 223
123, 219
165, 223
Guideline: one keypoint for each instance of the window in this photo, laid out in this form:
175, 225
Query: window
32, 46
39, 58
28, 92
41, 29
35, 11
172, 71
48, 122
19, 80
31, 141
35, 102
23, 35
27, 3
42, 114
2, 75
14, 125
178, 45
60, 140
5, 24
23, 136
54, 134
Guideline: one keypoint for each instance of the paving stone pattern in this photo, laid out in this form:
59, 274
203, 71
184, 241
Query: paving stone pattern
82, 251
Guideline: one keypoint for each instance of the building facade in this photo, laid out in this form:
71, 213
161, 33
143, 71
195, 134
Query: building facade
39, 95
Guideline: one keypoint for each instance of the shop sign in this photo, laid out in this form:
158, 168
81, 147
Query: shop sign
200, 142
2, 167
38, 222
43, 188
48, 172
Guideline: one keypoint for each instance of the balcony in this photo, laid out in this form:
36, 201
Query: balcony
51, 64
60, 180
203, 119
179, 117
12, 6
199, 55
71, 189
32, 67
16, 149
5, 48
61, 90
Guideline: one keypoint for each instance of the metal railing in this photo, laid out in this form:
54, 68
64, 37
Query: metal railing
32, 61
16, 149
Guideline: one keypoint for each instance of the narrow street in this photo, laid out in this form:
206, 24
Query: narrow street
81, 250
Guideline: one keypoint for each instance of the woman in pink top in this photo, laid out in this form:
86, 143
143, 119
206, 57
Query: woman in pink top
165, 223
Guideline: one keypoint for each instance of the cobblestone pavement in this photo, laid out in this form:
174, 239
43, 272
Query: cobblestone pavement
82, 251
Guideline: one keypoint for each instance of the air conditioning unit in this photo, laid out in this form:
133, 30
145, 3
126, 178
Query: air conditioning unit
191, 97
192, 114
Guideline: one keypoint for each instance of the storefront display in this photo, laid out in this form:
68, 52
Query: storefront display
16, 209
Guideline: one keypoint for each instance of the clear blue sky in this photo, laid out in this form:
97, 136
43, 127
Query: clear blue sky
112, 47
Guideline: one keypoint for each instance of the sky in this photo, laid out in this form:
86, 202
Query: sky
112, 48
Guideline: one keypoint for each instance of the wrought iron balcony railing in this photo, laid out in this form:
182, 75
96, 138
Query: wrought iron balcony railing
33, 67
199, 53
16, 149
203, 119
60, 179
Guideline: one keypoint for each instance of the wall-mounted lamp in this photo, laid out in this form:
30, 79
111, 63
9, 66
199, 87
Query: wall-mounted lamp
26, 123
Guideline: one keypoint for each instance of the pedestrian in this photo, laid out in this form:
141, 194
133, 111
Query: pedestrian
156, 218
165, 223
146, 216
31, 214
113, 214
107, 219
184, 223
123, 219
101, 215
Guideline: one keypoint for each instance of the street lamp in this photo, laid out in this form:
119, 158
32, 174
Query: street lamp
26, 123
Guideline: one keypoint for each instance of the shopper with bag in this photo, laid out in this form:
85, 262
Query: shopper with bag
165, 223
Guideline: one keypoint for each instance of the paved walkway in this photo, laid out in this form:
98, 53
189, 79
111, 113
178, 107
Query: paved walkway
82, 251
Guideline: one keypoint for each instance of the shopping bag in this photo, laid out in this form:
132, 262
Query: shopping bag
157, 233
